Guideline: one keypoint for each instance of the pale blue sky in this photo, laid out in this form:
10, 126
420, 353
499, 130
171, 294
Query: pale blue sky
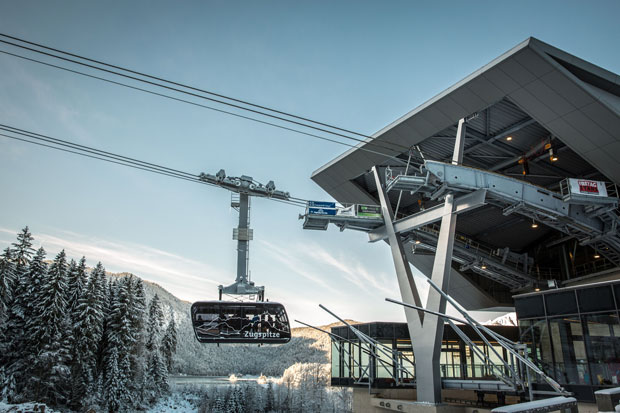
357, 64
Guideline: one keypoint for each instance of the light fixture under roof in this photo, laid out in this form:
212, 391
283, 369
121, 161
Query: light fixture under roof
597, 256
534, 224
508, 138
553, 157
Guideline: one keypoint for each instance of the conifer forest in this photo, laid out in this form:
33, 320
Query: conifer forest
74, 338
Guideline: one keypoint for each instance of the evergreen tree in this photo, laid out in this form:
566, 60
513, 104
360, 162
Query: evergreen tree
269, 404
77, 280
233, 404
158, 374
154, 323
7, 281
49, 334
114, 389
22, 250
218, 405
137, 353
17, 344
169, 342
87, 335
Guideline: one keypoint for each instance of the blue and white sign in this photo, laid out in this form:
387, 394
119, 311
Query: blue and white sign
321, 204
321, 211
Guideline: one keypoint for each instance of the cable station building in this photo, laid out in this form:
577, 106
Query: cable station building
502, 190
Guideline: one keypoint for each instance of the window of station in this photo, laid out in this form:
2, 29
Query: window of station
529, 307
603, 347
561, 303
568, 350
365, 359
346, 359
336, 355
356, 352
407, 360
450, 360
535, 333
384, 361
596, 299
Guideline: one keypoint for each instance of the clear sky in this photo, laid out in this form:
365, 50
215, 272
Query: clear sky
356, 64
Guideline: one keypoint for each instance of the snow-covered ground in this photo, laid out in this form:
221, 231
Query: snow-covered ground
26, 408
176, 403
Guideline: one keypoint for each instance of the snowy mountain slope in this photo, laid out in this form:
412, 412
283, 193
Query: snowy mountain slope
508, 319
306, 346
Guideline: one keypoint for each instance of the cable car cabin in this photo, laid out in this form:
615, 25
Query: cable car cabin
240, 322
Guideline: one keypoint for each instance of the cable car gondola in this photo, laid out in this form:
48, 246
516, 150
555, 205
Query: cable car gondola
240, 322
257, 322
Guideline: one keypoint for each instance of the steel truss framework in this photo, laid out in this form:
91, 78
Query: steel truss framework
462, 189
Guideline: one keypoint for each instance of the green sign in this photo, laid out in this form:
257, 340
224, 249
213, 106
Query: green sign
369, 211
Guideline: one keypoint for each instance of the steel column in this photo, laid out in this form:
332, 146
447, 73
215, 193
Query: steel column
243, 242
426, 330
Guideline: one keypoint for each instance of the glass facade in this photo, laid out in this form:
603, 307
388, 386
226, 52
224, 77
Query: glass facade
573, 334
457, 360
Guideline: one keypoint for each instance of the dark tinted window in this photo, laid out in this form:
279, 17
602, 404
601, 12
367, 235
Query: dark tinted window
401, 331
617, 293
528, 307
385, 330
561, 303
596, 299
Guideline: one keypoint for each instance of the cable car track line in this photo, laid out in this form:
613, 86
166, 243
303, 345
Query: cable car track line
200, 105
395, 146
182, 85
93, 153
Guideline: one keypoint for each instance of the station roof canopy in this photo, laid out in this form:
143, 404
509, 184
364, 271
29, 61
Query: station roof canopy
532, 93
531, 96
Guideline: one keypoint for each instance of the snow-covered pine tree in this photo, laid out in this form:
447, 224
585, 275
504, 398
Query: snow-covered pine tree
104, 345
219, 402
49, 334
12, 337
77, 280
269, 403
154, 324
100, 295
114, 389
7, 281
87, 334
22, 250
158, 374
138, 360
17, 346
169, 343
233, 404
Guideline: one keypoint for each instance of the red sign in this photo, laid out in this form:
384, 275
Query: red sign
589, 187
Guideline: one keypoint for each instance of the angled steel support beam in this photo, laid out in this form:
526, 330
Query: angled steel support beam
426, 331
462, 204
407, 286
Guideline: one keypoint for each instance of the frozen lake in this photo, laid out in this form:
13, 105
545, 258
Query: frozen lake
209, 380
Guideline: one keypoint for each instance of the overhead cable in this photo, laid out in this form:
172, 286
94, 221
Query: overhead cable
93, 153
182, 85
205, 106
175, 89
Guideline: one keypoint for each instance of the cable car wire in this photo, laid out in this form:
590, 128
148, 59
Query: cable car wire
396, 146
182, 85
205, 106
93, 153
